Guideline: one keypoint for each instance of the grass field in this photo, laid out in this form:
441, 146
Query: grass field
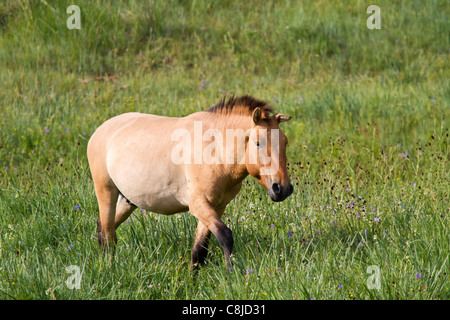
368, 146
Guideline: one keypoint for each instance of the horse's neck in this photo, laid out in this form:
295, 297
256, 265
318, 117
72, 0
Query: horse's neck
238, 170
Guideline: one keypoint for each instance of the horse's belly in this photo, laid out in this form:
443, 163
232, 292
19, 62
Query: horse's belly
139, 162
153, 191
164, 205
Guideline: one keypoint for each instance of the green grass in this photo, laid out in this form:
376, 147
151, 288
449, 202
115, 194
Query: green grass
368, 146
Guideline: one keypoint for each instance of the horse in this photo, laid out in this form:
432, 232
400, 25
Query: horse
162, 164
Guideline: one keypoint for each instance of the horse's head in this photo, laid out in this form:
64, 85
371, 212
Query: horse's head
266, 154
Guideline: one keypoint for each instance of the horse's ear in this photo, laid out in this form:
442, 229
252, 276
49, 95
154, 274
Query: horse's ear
281, 117
256, 115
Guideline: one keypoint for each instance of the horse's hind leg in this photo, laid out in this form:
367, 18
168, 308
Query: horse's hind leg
107, 195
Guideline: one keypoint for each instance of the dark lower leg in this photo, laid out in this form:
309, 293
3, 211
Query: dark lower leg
200, 249
225, 238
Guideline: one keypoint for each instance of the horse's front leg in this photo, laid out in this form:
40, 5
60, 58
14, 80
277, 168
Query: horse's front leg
200, 249
205, 213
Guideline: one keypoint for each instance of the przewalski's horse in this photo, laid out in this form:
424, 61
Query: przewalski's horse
163, 165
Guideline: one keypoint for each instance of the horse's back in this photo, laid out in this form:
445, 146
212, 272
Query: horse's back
107, 131
133, 150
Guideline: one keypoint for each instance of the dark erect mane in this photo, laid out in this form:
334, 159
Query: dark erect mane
244, 105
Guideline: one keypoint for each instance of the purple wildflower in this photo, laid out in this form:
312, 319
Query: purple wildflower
203, 85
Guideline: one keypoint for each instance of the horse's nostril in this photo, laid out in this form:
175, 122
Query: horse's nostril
276, 188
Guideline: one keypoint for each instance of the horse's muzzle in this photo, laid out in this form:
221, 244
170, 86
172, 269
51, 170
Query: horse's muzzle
278, 192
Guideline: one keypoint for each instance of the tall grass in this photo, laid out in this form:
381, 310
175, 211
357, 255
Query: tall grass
368, 146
